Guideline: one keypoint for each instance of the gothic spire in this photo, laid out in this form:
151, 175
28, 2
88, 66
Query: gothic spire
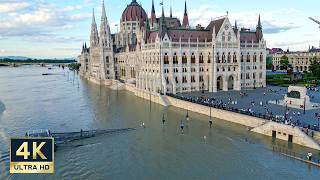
185, 22
259, 26
105, 35
170, 11
94, 37
259, 29
235, 25
153, 15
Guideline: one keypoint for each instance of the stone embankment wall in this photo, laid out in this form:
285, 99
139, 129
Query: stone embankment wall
282, 131
258, 125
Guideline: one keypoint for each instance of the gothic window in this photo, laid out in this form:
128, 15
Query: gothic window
218, 58
223, 37
261, 58
201, 59
229, 57
234, 58
223, 58
241, 57
229, 36
166, 59
247, 76
248, 57
200, 78
254, 75
177, 80
193, 58
209, 59
167, 80
107, 59
184, 79
193, 79
184, 58
175, 58
255, 57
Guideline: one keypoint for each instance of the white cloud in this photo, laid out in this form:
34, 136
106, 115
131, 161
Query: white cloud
6, 7
3, 51
80, 16
72, 8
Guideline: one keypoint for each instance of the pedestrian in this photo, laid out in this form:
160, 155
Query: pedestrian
163, 120
210, 122
181, 126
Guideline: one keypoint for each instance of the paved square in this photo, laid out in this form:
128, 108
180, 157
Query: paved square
257, 101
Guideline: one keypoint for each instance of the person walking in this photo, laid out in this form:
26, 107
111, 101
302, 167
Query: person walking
181, 126
210, 123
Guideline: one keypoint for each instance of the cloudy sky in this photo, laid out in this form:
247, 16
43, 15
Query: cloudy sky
57, 28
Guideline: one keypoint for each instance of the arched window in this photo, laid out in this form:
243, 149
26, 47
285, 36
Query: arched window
234, 58
175, 58
223, 58
201, 59
193, 59
248, 57
218, 57
223, 37
229, 36
241, 57
254, 57
184, 58
229, 57
261, 58
107, 59
209, 59
166, 59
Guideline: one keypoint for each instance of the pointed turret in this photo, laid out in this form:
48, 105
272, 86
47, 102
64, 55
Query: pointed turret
235, 25
105, 35
170, 11
163, 26
185, 22
153, 16
259, 29
94, 37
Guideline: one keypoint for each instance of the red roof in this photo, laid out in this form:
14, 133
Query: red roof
134, 12
248, 36
217, 24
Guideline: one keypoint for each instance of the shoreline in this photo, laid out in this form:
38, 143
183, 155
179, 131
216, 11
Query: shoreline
258, 125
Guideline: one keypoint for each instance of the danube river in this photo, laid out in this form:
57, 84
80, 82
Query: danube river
63, 102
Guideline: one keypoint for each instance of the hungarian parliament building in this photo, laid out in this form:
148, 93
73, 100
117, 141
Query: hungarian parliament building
161, 54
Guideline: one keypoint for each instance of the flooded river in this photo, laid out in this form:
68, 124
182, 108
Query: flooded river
64, 102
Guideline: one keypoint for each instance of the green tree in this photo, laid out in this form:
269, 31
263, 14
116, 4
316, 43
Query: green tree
269, 63
315, 67
284, 62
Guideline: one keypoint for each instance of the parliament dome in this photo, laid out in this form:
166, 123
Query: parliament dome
134, 12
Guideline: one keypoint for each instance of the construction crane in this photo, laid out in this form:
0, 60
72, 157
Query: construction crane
315, 21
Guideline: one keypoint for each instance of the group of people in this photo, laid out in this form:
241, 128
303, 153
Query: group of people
288, 117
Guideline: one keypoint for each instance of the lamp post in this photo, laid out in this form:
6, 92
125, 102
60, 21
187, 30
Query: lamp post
317, 115
304, 106
187, 116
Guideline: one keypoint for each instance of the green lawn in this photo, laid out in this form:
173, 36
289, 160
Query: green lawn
284, 80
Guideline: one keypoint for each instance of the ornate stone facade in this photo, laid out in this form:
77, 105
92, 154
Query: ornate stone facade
163, 55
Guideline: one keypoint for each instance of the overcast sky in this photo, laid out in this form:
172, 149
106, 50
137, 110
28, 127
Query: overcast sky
57, 28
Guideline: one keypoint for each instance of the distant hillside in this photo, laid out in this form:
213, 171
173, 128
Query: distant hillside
15, 57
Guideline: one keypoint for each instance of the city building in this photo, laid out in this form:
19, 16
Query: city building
161, 54
299, 60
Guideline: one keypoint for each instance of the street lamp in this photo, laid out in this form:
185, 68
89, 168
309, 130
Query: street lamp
187, 116
317, 115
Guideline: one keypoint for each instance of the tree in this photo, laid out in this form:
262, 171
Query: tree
269, 63
284, 62
315, 67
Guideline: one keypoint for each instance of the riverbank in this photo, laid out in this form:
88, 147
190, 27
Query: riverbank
255, 124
